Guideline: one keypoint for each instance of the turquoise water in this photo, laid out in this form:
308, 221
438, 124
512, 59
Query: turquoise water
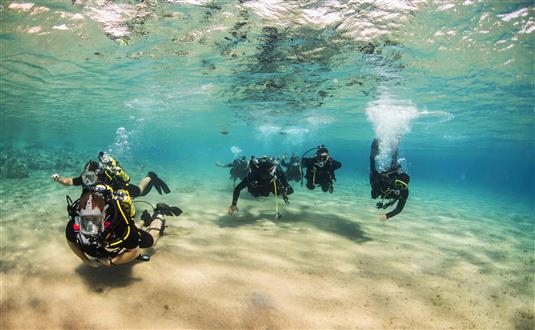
157, 83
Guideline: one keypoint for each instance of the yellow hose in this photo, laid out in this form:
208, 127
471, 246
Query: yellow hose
276, 199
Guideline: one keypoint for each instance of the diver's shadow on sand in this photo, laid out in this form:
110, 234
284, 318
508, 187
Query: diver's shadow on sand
102, 278
328, 222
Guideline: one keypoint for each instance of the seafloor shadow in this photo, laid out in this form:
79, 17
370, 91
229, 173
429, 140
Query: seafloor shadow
101, 278
328, 222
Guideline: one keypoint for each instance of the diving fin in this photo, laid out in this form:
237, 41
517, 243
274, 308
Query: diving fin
154, 181
176, 211
164, 186
158, 188
167, 210
147, 219
158, 183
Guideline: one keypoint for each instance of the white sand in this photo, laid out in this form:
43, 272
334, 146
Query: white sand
327, 264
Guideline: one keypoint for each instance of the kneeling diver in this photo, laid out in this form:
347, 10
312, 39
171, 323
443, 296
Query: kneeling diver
265, 177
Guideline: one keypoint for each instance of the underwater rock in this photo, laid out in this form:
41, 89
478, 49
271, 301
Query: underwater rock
368, 49
18, 163
15, 169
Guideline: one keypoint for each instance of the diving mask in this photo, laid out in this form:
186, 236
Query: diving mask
322, 159
89, 178
91, 224
92, 219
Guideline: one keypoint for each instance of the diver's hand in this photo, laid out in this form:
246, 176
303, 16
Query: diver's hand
383, 217
55, 177
286, 200
232, 209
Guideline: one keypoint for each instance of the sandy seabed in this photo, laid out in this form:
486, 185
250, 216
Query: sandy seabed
327, 263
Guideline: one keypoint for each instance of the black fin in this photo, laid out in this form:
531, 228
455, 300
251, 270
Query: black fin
176, 211
164, 186
154, 181
156, 185
145, 216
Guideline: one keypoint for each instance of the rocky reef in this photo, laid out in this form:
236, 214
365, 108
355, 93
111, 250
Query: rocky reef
19, 163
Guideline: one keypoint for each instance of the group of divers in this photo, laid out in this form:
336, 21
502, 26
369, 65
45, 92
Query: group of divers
102, 231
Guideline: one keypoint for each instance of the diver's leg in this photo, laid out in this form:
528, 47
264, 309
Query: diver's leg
145, 186
155, 228
133, 190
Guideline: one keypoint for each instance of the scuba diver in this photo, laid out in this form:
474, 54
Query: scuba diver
107, 171
265, 177
391, 184
293, 168
101, 232
239, 168
320, 169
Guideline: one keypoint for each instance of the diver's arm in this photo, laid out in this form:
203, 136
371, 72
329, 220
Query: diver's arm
125, 257
80, 254
223, 165
335, 164
404, 195
67, 181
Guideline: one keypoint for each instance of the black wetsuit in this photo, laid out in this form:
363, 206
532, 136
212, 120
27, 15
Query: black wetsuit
121, 234
260, 186
391, 185
293, 169
318, 174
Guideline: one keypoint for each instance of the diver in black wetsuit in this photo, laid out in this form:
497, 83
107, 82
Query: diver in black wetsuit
293, 168
101, 231
108, 171
320, 170
265, 177
239, 168
391, 184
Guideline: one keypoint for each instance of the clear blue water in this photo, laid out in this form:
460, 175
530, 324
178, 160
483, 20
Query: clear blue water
156, 83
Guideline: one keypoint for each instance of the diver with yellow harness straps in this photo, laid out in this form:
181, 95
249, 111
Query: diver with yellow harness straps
265, 177
107, 171
391, 185
101, 231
